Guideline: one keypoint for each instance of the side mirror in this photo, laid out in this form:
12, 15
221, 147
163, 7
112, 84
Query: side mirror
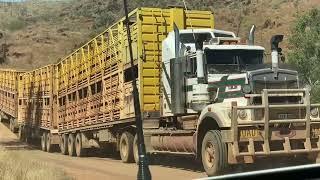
189, 64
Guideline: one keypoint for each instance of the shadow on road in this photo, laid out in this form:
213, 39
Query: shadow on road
15, 145
190, 164
177, 162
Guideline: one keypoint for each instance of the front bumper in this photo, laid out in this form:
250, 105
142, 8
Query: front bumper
268, 136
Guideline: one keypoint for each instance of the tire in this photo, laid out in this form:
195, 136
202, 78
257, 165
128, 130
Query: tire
213, 153
135, 149
44, 141
126, 147
49, 145
64, 144
21, 134
71, 146
80, 151
11, 126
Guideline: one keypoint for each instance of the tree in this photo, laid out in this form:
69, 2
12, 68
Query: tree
304, 45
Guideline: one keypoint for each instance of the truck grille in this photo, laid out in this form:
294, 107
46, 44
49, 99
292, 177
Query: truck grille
259, 86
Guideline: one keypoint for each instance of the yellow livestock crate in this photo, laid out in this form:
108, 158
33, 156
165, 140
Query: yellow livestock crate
37, 98
8, 92
94, 82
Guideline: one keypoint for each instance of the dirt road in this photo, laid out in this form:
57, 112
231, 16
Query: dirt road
96, 168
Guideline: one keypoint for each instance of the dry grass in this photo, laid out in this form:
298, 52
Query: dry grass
18, 165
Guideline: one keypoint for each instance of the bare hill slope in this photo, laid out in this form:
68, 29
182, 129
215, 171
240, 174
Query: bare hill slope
36, 33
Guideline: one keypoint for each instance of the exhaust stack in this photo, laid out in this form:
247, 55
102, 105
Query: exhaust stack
251, 35
275, 50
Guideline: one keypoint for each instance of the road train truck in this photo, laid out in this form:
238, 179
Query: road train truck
203, 93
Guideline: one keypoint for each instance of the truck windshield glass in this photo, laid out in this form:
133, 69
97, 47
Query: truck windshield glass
225, 60
188, 38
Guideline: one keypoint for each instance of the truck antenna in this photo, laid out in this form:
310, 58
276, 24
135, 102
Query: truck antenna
185, 7
143, 171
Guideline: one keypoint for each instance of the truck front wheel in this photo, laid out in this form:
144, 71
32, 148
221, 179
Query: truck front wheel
213, 153
126, 147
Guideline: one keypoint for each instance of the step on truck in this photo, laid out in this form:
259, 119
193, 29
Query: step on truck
202, 92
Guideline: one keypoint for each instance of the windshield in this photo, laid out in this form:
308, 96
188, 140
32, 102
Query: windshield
225, 60
187, 38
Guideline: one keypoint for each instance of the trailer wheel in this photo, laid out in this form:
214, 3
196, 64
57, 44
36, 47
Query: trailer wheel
135, 149
64, 144
49, 145
44, 141
71, 147
80, 151
126, 147
11, 126
213, 153
21, 134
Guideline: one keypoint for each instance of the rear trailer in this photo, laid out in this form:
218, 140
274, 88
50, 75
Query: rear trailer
9, 97
37, 107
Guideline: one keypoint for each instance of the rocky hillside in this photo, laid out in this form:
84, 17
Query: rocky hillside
35, 33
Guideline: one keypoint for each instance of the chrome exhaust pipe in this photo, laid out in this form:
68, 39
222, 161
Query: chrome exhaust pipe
251, 35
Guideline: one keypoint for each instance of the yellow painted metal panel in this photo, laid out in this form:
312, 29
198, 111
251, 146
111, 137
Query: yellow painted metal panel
151, 90
151, 72
151, 106
151, 99
151, 62
155, 24
151, 81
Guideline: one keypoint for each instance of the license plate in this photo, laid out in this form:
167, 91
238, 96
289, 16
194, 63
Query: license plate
283, 116
251, 133
315, 132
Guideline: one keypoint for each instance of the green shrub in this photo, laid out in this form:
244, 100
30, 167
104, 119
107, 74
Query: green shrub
305, 50
15, 24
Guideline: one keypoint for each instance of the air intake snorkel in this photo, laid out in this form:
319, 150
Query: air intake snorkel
275, 52
200, 59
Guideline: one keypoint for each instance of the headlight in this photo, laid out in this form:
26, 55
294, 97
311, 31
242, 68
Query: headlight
242, 114
314, 112
246, 89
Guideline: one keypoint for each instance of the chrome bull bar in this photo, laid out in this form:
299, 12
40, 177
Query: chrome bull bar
266, 122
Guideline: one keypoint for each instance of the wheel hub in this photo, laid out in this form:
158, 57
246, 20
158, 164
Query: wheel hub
124, 148
209, 154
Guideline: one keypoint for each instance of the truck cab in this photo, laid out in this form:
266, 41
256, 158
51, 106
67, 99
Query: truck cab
240, 107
